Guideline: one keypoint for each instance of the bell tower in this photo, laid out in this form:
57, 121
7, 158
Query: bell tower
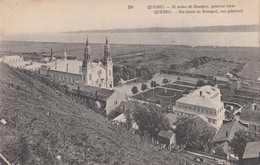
109, 64
86, 63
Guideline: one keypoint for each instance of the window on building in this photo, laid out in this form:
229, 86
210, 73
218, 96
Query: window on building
90, 77
115, 102
109, 72
84, 78
209, 120
253, 128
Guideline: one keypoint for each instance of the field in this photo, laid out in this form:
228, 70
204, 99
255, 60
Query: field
162, 56
159, 95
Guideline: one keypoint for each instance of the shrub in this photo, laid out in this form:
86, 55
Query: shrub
134, 90
144, 87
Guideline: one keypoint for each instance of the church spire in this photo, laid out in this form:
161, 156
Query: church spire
87, 52
87, 42
106, 50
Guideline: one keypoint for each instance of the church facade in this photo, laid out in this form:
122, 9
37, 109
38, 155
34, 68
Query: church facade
86, 72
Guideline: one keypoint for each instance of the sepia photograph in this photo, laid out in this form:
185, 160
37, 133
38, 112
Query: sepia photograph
128, 82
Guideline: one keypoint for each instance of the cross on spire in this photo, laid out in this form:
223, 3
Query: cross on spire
87, 42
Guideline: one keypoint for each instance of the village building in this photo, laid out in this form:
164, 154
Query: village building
84, 72
251, 154
99, 98
226, 133
120, 119
166, 138
201, 123
251, 117
204, 101
14, 61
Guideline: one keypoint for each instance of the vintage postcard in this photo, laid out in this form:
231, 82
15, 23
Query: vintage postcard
129, 82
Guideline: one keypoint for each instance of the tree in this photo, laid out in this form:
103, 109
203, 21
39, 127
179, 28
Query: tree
144, 87
129, 119
204, 140
134, 90
153, 84
185, 134
189, 137
165, 81
238, 143
114, 113
150, 119
201, 83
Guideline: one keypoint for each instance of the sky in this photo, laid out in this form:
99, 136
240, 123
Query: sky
34, 16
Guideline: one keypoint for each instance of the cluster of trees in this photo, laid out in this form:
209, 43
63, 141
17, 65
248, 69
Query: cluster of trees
165, 81
191, 64
144, 87
189, 137
239, 141
211, 82
128, 72
149, 118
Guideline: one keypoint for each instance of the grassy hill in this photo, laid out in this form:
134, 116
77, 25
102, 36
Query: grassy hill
71, 131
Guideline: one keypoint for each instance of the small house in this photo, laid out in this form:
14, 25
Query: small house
251, 154
167, 138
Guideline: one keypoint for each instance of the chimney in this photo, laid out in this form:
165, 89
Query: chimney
51, 55
80, 70
200, 93
67, 67
254, 106
226, 134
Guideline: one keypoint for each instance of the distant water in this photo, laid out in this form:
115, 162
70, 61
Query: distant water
241, 39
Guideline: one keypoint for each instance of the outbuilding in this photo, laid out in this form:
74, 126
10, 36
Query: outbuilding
167, 138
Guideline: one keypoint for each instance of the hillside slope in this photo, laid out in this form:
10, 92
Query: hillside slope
71, 131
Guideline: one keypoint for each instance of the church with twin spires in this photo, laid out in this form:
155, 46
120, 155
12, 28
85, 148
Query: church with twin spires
86, 72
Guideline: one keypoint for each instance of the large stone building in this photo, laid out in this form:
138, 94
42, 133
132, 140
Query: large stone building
14, 61
84, 72
204, 101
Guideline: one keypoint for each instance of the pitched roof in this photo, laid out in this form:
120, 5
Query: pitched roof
126, 105
202, 123
252, 150
227, 128
205, 100
121, 119
250, 115
90, 91
165, 134
73, 66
